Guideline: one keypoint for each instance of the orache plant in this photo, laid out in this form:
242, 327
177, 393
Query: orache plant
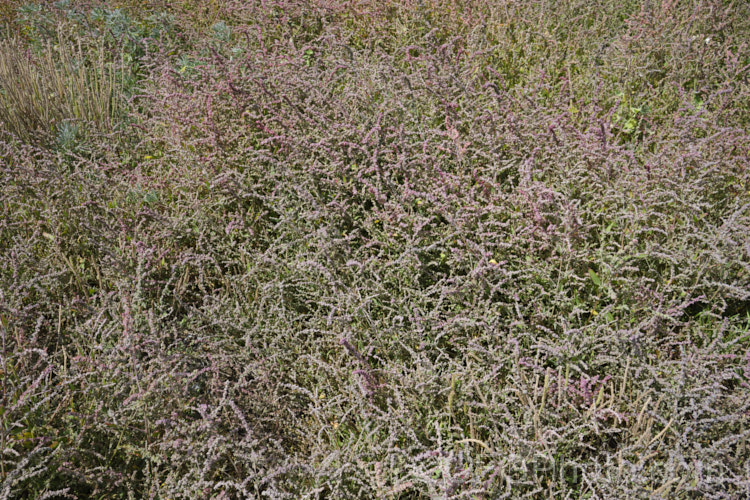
435, 249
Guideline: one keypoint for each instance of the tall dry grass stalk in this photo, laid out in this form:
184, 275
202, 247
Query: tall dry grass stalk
63, 82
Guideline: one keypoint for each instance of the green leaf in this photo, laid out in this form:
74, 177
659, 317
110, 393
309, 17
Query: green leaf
595, 278
630, 126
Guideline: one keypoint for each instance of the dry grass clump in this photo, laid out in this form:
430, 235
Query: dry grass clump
62, 82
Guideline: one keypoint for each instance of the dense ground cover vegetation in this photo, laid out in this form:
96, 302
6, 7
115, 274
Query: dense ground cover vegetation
375, 249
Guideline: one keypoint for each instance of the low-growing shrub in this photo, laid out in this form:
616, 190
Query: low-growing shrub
429, 249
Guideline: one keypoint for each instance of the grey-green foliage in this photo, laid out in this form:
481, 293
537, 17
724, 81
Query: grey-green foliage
221, 31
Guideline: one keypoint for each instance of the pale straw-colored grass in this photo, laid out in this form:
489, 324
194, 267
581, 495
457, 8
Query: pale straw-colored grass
61, 82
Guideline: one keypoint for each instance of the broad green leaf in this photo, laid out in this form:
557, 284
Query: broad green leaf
595, 278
